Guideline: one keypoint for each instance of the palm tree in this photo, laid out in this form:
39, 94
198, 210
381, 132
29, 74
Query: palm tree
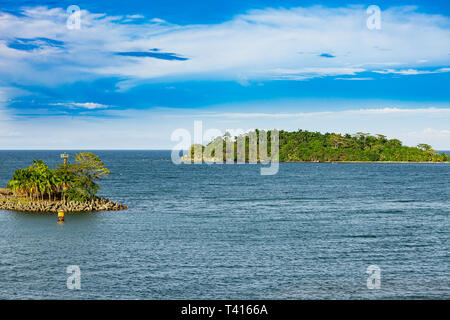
19, 184
38, 181
34, 185
48, 185
64, 180
15, 184
56, 184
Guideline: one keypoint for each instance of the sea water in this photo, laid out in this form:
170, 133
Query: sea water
226, 232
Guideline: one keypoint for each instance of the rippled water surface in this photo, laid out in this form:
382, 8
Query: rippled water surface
225, 231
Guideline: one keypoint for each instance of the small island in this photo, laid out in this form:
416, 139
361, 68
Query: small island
306, 146
69, 188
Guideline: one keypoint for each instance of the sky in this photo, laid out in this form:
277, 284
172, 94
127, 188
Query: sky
130, 73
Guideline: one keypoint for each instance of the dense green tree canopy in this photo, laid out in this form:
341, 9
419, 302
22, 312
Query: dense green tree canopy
75, 181
324, 147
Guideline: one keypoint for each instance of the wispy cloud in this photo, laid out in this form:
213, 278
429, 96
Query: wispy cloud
135, 16
253, 44
82, 105
355, 79
152, 128
312, 72
380, 111
412, 71
440, 133
438, 138
157, 20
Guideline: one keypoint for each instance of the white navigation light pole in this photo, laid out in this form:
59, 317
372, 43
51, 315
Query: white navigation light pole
65, 156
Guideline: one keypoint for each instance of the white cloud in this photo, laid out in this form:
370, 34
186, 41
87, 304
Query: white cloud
438, 138
137, 129
84, 105
374, 112
412, 71
157, 20
418, 111
440, 133
307, 73
259, 44
280, 44
135, 16
355, 79
4, 133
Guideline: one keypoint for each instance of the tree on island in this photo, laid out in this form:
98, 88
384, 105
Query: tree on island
309, 146
73, 182
86, 171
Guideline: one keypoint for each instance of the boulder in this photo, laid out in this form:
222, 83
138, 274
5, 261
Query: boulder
5, 192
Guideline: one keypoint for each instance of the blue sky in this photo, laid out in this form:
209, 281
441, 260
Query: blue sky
138, 70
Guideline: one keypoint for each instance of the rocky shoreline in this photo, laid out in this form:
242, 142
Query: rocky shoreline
26, 205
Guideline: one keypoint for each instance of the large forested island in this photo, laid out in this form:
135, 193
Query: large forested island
306, 146
71, 187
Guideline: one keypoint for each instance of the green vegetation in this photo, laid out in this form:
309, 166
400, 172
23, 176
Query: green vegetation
314, 146
331, 147
73, 182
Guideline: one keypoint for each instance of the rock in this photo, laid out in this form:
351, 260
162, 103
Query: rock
97, 204
5, 192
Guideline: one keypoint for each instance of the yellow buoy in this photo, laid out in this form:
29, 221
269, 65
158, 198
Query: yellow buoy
60, 216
